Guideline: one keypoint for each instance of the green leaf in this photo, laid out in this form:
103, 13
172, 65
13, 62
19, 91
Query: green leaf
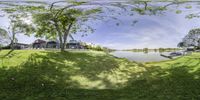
188, 7
10, 10
93, 11
78, 3
139, 10
178, 11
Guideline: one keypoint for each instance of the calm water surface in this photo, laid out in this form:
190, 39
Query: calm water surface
140, 56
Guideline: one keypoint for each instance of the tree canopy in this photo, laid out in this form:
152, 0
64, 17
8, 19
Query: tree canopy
192, 38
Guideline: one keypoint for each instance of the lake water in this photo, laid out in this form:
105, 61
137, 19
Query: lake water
140, 56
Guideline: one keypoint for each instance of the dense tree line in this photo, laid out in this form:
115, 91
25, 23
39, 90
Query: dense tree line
154, 50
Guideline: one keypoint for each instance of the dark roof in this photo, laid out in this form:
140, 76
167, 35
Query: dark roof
51, 42
73, 41
39, 41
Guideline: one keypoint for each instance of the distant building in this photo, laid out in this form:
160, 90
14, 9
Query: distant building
38, 44
52, 44
20, 46
73, 44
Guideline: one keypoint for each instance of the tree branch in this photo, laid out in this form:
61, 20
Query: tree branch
52, 5
85, 4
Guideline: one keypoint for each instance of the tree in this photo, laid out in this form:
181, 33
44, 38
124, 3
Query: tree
52, 26
16, 26
181, 45
61, 22
192, 38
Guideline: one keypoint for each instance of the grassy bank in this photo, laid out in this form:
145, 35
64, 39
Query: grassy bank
91, 75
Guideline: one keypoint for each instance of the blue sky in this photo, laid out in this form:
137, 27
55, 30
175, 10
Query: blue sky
149, 32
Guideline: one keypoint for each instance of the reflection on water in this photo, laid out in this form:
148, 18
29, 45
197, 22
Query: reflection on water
140, 56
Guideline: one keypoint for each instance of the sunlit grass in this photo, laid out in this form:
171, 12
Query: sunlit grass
92, 75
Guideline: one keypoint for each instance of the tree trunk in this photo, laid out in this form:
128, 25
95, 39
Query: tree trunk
62, 48
12, 45
64, 43
66, 33
12, 41
61, 43
0, 47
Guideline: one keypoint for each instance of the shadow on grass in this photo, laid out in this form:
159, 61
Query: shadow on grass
48, 76
172, 84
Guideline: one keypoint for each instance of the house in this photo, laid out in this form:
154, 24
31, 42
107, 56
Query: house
52, 44
38, 44
17, 46
73, 44
20, 46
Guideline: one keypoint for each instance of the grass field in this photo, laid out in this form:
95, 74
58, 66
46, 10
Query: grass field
92, 75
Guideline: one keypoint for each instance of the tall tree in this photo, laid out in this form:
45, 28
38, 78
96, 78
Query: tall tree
192, 38
16, 25
62, 21
59, 21
17, 20
49, 26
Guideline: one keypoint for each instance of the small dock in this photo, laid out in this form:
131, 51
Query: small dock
167, 56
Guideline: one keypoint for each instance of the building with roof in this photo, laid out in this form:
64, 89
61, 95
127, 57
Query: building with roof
39, 44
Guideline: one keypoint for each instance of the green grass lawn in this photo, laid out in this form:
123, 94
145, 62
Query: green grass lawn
92, 75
